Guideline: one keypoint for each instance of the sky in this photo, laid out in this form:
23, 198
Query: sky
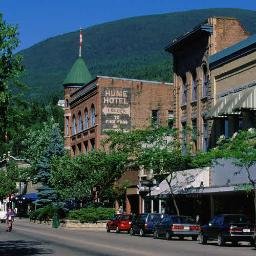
38, 20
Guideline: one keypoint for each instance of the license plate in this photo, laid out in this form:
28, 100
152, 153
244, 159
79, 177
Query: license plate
246, 230
186, 228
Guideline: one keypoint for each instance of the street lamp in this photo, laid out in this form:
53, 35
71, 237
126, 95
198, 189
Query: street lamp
148, 185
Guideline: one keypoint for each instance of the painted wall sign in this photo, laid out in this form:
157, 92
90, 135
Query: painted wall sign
116, 109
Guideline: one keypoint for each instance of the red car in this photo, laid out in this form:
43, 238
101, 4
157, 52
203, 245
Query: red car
120, 222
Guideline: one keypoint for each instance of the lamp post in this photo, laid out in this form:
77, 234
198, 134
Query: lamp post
148, 185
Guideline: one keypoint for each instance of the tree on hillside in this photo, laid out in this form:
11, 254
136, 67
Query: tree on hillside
10, 68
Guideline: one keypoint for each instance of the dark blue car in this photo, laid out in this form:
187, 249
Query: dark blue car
145, 223
177, 226
228, 228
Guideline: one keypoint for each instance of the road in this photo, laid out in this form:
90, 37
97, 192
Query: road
29, 239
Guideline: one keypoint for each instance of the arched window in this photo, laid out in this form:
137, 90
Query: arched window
92, 115
205, 82
74, 125
66, 103
86, 119
184, 94
67, 126
80, 122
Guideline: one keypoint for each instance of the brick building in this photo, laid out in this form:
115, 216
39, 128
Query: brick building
94, 106
192, 93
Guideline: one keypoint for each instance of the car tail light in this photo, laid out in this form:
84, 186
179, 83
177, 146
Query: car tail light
130, 222
176, 227
195, 227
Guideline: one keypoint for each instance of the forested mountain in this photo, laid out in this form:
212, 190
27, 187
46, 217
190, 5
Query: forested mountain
132, 48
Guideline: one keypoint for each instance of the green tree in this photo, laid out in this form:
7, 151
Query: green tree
76, 177
55, 148
156, 149
8, 180
10, 68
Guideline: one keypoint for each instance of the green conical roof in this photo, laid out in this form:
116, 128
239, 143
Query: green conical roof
79, 74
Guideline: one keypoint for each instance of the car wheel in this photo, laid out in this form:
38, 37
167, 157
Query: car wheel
234, 243
194, 238
202, 239
156, 235
131, 232
108, 230
117, 230
220, 240
167, 235
253, 243
142, 232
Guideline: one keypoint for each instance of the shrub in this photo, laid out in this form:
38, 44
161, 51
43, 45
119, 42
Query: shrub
91, 214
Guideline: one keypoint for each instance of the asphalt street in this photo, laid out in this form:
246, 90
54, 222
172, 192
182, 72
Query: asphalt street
39, 239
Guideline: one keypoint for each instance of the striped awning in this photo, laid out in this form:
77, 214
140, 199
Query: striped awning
234, 103
247, 100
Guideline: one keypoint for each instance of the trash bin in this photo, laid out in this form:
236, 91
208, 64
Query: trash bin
55, 221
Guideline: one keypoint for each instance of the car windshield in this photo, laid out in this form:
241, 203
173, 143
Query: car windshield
236, 219
183, 219
125, 217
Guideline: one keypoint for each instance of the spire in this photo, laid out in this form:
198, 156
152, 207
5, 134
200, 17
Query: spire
80, 43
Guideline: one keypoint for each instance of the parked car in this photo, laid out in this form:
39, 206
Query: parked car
145, 223
120, 222
177, 226
227, 228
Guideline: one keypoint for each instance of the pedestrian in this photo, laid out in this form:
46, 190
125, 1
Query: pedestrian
9, 219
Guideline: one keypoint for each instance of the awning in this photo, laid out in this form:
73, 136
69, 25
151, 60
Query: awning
247, 100
228, 108
214, 112
233, 103
31, 196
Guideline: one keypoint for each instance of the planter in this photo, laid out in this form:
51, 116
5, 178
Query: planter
100, 225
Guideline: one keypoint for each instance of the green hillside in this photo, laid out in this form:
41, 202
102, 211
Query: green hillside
132, 48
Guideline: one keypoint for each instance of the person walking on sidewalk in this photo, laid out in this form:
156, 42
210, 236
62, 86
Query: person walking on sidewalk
9, 219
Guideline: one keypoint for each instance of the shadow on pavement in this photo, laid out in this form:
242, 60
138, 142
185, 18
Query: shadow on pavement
22, 248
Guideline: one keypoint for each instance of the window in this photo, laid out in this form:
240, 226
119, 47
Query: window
205, 82
86, 146
226, 133
74, 126
170, 119
80, 122
194, 134
92, 144
184, 137
86, 119
74, 150
205, 135
184, 94
79, 148
67, 126
66, 103
155, 118
92, 115
194, 87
